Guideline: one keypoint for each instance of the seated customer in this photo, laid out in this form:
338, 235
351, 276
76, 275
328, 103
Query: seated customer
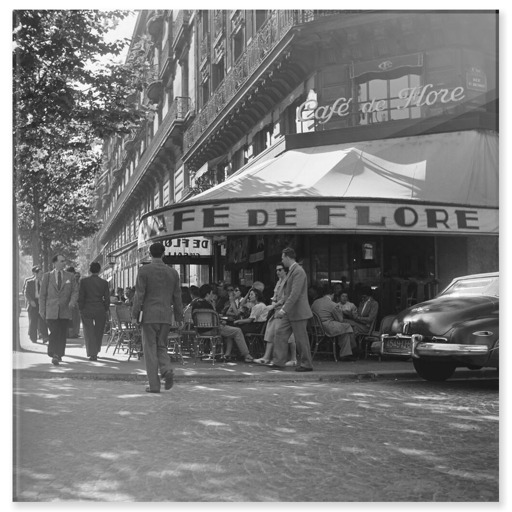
234, 310
347, 308
258, 315
332, 320
366, 313
226, 331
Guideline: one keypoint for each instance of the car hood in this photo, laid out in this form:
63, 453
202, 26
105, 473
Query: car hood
436, 317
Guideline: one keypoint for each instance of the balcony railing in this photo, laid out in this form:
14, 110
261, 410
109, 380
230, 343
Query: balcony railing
177, 113
270, 34
179, 28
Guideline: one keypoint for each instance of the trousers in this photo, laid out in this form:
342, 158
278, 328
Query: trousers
58, 333
36, 323
299, 329
230, 331
94, 327
154, 344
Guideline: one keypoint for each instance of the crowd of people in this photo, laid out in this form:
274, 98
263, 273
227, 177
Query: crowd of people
280, 312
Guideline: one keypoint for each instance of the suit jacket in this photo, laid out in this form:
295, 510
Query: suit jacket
157, 289
367, 314
331, 316
93, 295
296, 305
55, 303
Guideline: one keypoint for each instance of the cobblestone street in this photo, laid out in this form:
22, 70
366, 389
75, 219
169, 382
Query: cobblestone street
366, 441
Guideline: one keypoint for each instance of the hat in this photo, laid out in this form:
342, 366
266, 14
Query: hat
258, 285
35, 268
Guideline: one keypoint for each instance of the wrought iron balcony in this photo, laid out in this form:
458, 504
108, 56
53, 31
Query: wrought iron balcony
180, 28
270, 34
177, 113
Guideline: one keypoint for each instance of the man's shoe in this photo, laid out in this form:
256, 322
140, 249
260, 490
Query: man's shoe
46, 340
303, 369
169, 380
55, 361
93, 358
149, 390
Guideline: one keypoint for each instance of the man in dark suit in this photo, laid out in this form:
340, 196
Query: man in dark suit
59, 293
31, 291
158, 296
93, 303
366, 313
295, 313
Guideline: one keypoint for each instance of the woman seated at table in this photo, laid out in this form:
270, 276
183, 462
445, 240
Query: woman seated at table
257, 316
234, 309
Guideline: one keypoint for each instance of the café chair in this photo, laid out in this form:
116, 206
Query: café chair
318, 336
207, 327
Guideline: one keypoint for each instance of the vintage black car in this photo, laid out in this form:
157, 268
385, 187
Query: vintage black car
457, 328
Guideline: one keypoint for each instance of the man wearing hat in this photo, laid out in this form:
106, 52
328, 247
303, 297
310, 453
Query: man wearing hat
31, 290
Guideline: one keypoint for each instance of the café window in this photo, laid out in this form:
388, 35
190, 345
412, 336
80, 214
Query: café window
378, 99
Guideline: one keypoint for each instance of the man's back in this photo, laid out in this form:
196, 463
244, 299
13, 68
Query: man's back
157, 289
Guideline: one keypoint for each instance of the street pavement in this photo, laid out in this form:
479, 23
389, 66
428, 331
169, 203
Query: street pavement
33, 361
369, 441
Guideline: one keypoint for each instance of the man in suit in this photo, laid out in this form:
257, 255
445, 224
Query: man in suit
157, 290
333, 322
366, 313
31, 291
294, 313
74, 327
59, 294
93, 303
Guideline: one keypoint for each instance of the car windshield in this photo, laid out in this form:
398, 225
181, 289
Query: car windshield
474, 286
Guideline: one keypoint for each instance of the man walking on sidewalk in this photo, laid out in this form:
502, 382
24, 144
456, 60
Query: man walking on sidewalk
295, 313
157, 290
31, 291
93, 303
59, 294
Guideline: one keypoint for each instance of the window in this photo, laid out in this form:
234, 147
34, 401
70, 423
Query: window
205, 92
378, 100
217, 74
261, 16
238, 45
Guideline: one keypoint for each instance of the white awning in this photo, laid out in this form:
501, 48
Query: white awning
438, 183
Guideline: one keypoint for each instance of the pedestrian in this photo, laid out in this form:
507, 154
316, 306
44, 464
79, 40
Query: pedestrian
294, 313
74, 325
59, 294
276, 301
93, 303
158, 298
31, 291
333, 322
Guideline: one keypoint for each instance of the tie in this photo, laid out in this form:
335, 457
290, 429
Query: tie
59, 279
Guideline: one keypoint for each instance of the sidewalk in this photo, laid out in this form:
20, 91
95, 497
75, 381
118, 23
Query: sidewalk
33, 361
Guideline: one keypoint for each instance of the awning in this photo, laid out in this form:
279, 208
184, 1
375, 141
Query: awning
444, 183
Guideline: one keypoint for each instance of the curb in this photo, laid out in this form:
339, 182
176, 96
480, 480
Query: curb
261, 377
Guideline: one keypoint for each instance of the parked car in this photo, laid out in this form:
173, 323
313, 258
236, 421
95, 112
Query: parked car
457, 328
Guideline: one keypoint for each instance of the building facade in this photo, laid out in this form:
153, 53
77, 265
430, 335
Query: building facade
367, 140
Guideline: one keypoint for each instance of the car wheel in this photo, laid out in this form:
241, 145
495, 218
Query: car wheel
474, 367
435, 371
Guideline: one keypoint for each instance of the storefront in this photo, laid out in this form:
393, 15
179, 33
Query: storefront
403, 215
